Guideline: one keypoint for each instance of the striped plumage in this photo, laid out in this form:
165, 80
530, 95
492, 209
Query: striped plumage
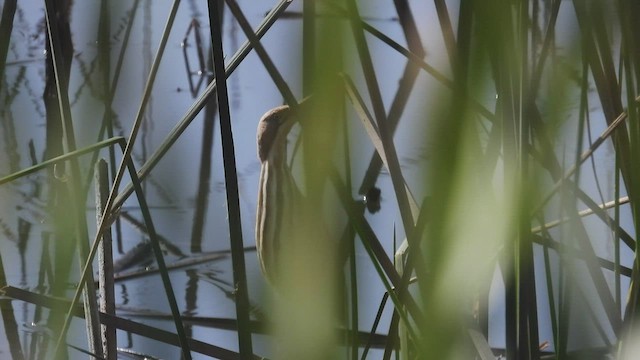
299, 258
278, 193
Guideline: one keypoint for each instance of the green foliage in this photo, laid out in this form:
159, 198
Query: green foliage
529, 124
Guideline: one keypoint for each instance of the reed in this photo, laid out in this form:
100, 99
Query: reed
497, 138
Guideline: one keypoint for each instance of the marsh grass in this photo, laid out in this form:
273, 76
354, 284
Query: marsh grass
496, 221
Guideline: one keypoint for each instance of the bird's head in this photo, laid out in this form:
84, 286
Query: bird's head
273, 129
275, 124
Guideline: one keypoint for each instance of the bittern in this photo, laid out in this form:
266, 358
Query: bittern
278, 195
295, 249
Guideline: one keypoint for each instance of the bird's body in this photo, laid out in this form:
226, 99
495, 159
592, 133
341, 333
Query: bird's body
278, 195
295, 250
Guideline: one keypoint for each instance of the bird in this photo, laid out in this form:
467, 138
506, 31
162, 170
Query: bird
296, 251
278, 194
291, 232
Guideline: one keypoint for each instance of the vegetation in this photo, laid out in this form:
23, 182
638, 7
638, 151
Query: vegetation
514, 231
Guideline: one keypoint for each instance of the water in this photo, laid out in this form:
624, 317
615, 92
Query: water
205, 290
201, 290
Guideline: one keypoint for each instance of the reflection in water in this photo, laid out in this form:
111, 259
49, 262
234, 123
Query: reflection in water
204, 187
124, 295
213, 277
200, 73
7, 231
24, 230
147, 59
38, 343
139, 255
7, 121
191, 298
42, 199
140, 226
